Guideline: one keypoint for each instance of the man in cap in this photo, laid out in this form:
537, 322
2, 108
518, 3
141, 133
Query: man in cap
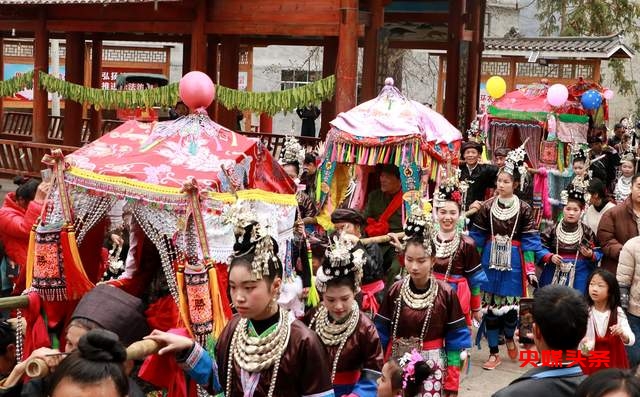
478, 176
351, 222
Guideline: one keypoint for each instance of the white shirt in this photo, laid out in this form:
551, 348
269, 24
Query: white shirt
598, 322
592, 216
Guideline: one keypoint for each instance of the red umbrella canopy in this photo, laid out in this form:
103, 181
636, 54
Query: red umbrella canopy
168, 154
533, 98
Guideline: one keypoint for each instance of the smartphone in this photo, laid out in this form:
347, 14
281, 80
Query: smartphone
526, 321
46, 174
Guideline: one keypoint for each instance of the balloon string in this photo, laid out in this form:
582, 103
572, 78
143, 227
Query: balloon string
200, 110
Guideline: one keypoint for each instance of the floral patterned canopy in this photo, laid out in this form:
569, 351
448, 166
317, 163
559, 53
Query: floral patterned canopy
139, 158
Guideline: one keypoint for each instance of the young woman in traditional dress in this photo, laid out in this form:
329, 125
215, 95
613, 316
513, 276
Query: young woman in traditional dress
627, 170
262, 351
570, 251
348, 335
421, 312
504, 231
456, 258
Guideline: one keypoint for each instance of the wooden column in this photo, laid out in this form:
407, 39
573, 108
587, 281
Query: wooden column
74, 73
40, 96
229, 59
96, 82
476, 9
329, 56
370, 53
186, 55
346, 69
453, 62
212, 69
199, 38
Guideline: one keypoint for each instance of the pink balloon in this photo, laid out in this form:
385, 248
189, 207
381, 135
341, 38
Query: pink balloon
607, 94
557, 95
196, 90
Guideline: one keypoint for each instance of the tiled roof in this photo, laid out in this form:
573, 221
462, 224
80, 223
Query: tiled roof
584, 47
37, 2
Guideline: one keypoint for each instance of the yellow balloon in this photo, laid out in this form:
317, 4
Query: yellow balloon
496, 87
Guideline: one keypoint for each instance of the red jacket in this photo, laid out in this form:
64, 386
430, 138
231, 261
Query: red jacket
15, 227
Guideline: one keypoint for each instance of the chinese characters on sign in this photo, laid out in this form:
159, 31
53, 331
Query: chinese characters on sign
553, 358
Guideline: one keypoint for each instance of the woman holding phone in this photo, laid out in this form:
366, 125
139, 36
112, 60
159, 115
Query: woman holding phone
570, 251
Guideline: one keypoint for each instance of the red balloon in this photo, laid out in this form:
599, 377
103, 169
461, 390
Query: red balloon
196, 90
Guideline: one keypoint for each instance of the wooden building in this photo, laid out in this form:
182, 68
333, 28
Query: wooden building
212, 32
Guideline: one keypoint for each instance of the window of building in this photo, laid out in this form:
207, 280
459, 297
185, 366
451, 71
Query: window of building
296, 78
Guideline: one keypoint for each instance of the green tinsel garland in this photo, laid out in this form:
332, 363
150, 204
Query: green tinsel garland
260, 102
278, 101
16, 84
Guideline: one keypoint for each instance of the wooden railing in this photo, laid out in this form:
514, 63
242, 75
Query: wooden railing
18, 126
275, 142
23, 158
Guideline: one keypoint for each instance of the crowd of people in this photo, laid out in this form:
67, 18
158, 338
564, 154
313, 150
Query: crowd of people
397, 313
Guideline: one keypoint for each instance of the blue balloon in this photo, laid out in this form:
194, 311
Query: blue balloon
591, 100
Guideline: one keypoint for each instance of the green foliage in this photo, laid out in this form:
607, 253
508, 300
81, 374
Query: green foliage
594, 18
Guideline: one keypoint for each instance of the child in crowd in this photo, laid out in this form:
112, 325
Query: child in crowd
610, 382
404, 377
608, 328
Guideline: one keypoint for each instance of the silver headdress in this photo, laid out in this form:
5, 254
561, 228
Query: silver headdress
343, 257
450, 188
628, 156
420, 224
573, 192
292, 152
515, 161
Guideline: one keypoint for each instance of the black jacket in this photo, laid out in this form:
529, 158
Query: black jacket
534, 384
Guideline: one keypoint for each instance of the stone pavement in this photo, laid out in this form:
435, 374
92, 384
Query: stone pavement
483, 383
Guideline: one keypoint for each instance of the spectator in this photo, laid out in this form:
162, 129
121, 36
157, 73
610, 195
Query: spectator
610, 383
178, 111
604, 160
18, 214
7, 349
95, 369
560, 316
309, 167
598, 204
478, 176
628, 275
618, 225
308, 114
618, 132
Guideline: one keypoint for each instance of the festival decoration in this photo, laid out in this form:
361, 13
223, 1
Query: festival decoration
591, 100
196, 90
259, 102
608, 94
557, 95
496, 87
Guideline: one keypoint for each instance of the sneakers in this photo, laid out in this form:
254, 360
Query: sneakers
512, 349
492, 363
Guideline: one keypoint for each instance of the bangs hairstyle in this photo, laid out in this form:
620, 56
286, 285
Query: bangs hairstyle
275, 268
613, 300
419, 240
348, 280
515, 177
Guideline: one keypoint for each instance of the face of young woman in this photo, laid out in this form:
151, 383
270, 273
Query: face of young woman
504, 185
338, 300
598, 289
347, 227
69, 388
448, 216
252, 298
627, 169
417, 263
578, 168
572, 212
385, 388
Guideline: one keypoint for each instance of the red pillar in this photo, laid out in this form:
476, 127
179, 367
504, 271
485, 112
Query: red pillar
40, 96
370, 53
212, 69
186, 55
74, 73
229, 58
266, 123
453, 62
1, 76
328, 111
347, 56
477, 10
96, 82
199, 38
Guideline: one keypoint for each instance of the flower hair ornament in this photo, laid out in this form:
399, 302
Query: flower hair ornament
292, 152
515, 161
419, 224
449, 189
579, 154
408, 363
573, 192
344, 256
628, 156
